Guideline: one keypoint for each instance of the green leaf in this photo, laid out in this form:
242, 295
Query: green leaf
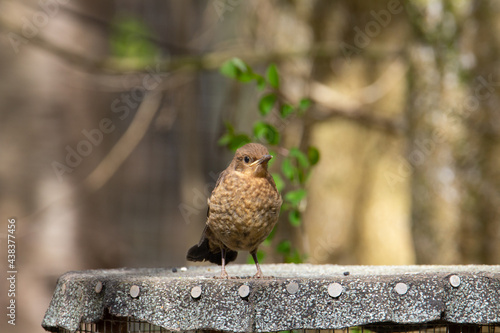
259, 129
229, 127
237, 69
225, 139
294, 218
266, 103
267, 132
294, 258
240, 64
304, 104
272, 160
300, 156
313, 155
231, 140
286, 110
303, 176
280, 183
238, 140
229, 69
294, 197
288, 169
273, 136
284, 247
246, 76
131, 40
272, 76
261, 83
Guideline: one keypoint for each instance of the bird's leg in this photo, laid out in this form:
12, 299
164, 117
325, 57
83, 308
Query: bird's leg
223, 273
259, 271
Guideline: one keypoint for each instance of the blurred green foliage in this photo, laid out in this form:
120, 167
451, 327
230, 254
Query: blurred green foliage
296, 165
132, 42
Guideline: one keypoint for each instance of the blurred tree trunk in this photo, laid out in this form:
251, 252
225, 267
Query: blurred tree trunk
354, 214
47, 109
429, 161
432, 136
453, 143
480, 235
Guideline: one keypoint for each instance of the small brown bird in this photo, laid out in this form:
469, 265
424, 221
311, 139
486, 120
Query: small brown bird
242, 210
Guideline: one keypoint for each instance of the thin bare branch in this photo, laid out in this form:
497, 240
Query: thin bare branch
127, 143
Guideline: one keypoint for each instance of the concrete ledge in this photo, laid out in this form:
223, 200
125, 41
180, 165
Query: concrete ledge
297, 297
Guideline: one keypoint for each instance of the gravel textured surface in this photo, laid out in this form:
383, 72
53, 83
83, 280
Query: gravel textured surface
295, 297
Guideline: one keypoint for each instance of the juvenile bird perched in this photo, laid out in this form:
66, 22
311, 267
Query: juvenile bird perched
242, 210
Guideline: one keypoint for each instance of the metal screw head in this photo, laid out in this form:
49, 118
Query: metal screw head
196, 292
244, 291
292, 287
455, 281
401, 288
134, 291
98, 287
335, 289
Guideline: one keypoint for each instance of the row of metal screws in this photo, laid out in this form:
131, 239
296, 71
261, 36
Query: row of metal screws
334, 289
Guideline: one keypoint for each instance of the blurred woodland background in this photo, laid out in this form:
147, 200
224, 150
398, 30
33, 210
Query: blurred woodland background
111, 112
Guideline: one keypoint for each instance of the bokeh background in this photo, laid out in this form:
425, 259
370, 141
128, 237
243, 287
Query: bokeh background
405, 114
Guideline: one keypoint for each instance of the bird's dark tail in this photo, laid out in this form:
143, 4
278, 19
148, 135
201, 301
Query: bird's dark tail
202, 252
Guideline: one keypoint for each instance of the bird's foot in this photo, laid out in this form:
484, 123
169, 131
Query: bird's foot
223, 275
261, 276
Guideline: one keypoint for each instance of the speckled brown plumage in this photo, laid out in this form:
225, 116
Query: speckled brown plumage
242, 210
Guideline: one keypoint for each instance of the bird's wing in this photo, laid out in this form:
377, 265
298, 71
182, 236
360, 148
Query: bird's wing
219, 180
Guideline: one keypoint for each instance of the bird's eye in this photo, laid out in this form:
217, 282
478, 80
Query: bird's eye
247, 159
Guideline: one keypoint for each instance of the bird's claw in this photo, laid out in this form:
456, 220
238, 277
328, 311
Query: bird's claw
263, 277
223, 275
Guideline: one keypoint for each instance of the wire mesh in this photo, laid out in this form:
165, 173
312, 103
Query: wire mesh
130, 325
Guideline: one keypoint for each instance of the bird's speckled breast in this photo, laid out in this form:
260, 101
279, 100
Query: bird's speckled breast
246, 217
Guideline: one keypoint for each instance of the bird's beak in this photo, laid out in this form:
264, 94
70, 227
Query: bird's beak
261, 160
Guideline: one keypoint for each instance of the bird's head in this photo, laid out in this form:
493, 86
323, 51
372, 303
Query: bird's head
251, 160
